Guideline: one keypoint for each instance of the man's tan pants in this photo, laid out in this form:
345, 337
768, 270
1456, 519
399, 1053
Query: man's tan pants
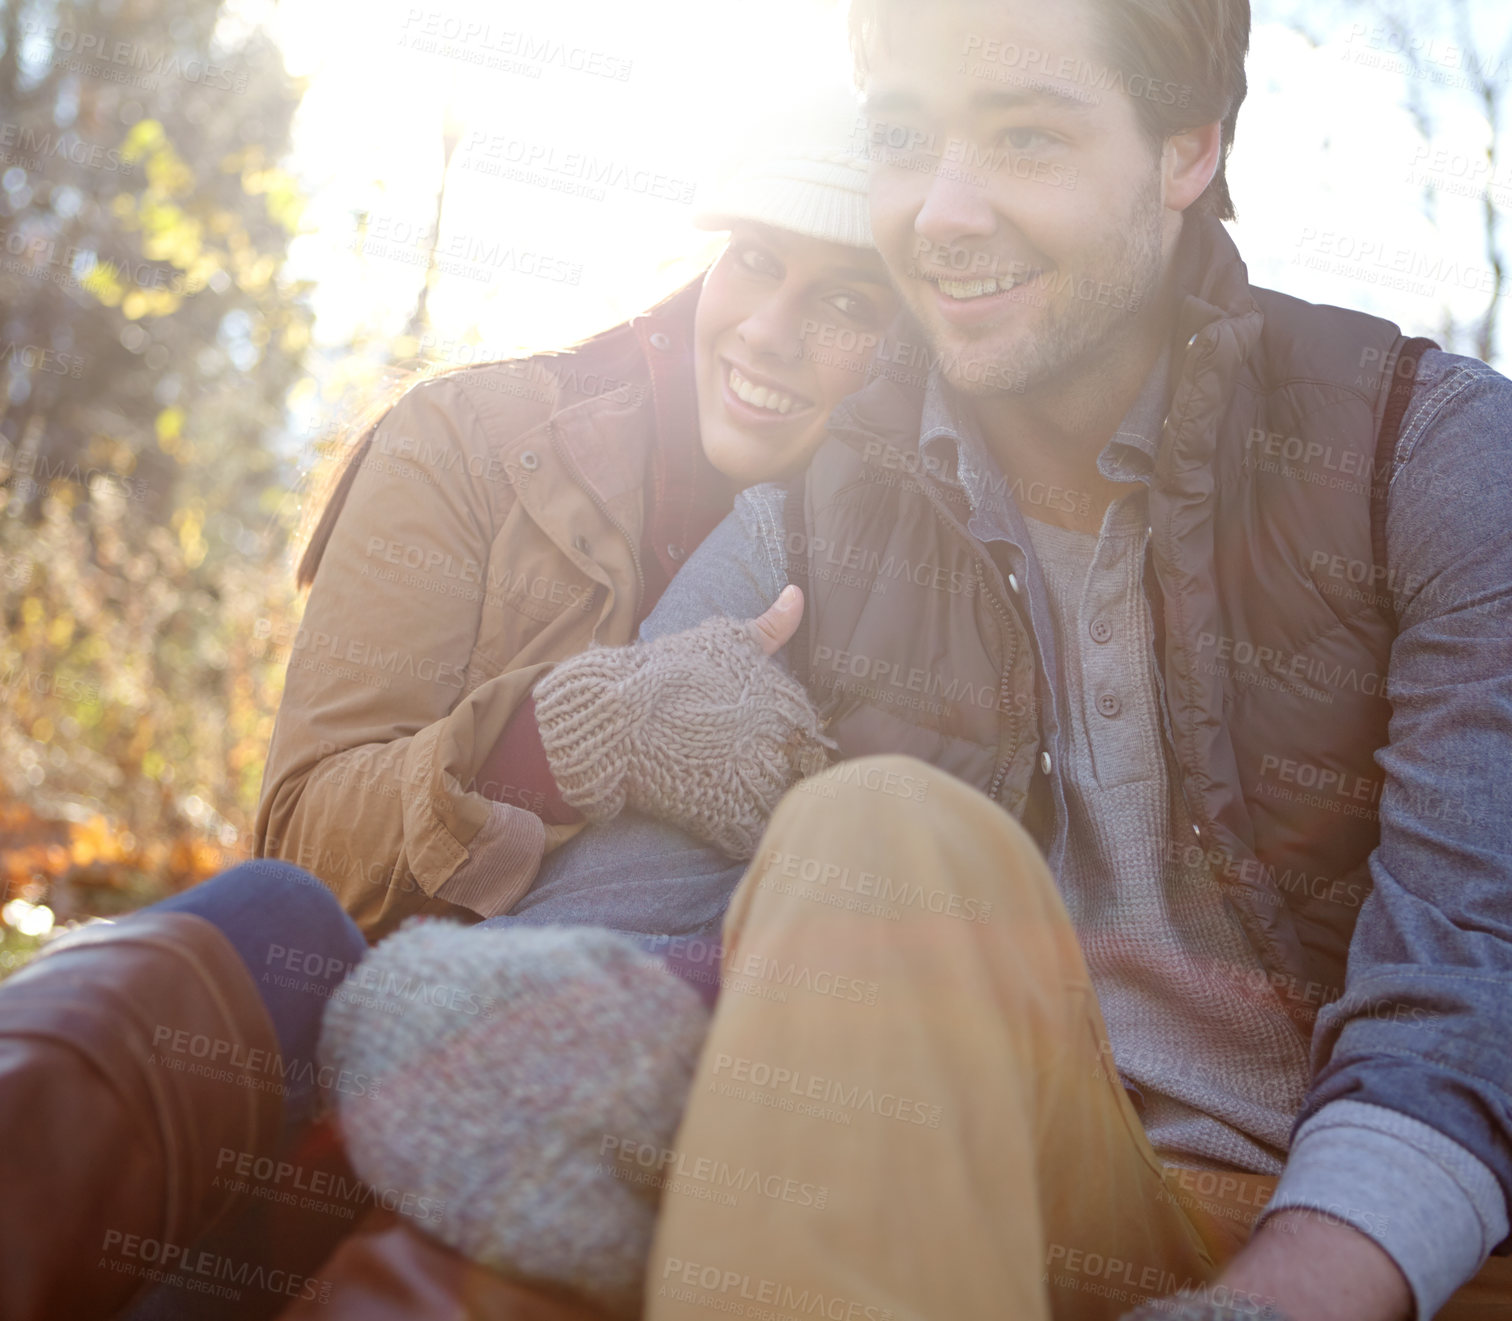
907, 1106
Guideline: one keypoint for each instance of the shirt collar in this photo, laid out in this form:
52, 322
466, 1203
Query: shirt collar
953, 450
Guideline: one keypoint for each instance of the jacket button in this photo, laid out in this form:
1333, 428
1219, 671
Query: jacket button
1101, 630
530, 460
1045, 762
676, 553
580, 543
661, 341
1013, 582
1109, 705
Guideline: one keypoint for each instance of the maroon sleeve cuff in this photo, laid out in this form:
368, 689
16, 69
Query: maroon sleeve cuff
517, 772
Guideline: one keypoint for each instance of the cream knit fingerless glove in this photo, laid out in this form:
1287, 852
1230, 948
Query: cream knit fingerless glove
700, 729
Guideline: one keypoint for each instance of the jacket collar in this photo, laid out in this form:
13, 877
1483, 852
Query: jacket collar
614, 437
684, 492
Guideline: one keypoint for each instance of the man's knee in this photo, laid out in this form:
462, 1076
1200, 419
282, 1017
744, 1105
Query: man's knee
894, 795
868, 824
872, 787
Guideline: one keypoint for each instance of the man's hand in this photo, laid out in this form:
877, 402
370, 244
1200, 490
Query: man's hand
1319, 1270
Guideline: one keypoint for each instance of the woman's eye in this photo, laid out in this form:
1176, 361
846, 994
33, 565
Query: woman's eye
852, 305
759, 262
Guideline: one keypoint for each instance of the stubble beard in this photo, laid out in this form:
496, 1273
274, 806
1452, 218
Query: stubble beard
1074, 331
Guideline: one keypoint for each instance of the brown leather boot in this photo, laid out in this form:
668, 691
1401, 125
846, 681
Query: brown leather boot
132, 1056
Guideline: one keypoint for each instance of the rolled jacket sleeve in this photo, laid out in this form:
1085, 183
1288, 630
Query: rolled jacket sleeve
1428, 1203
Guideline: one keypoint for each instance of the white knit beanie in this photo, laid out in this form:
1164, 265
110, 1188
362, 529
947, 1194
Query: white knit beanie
805, 171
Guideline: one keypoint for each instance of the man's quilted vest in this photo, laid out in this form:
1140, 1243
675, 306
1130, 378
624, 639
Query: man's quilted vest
1273, 618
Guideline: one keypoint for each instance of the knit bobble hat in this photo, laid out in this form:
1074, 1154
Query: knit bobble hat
805, 172
508, 1071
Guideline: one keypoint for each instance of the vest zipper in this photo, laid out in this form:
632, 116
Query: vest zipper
1011, 643
1000, 774
577, 473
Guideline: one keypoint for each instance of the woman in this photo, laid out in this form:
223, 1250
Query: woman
503, 517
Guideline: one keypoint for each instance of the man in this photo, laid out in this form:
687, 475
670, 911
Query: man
1207, 588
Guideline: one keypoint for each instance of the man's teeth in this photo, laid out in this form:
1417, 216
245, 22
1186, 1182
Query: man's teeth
761, 396
974, 288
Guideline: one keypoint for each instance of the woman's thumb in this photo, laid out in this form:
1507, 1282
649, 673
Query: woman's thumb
775, 628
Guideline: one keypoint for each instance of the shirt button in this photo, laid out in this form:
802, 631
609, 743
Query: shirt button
660, 341
676, 553
1045, 762
529, 460
1013, 582
1109, 705
1197, 830
1101, 630
580, 543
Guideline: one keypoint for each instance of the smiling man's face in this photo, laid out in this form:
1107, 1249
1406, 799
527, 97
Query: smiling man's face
1015, 198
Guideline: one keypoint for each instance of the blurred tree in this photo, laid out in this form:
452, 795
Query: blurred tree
1453, 55
148, 343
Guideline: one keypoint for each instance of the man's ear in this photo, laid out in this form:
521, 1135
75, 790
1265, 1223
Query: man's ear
1188, 163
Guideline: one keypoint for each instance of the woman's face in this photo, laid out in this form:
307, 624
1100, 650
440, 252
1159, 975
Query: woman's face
786, 327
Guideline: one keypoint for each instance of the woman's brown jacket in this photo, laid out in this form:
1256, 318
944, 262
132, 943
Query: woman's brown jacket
495, 526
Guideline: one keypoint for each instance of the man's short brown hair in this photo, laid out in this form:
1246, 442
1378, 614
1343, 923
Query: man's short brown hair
1194, 48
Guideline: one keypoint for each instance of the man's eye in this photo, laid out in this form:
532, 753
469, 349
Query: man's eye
1025, 139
